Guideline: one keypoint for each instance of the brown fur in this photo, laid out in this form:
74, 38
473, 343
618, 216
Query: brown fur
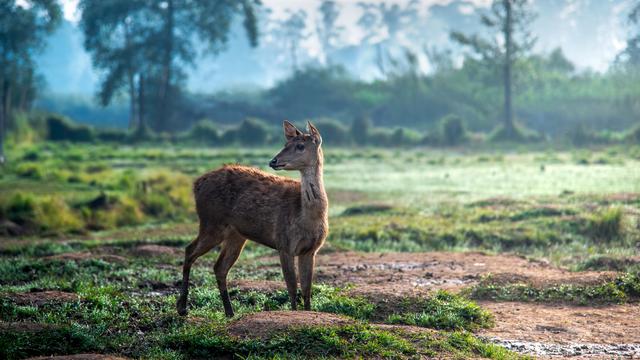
235, 203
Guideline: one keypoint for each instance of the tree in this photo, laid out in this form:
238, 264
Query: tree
384, 20
292, 32
631, 54
327, 29
511, 19
23, 27
153, 41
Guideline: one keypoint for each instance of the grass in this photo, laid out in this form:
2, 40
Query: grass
116, 312
577, 209
625, 288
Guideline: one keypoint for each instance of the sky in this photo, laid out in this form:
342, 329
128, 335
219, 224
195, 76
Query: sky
590, 32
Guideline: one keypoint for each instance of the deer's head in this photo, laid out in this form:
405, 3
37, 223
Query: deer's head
301, 150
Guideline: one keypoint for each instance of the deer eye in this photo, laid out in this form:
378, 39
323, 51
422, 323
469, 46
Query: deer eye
300, 147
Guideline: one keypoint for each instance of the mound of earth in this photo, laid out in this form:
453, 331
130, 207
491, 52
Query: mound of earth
79, 357
155, 250
41, 297
82, 256
263, 325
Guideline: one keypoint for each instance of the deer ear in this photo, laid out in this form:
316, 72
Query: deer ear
314, 132
290, 131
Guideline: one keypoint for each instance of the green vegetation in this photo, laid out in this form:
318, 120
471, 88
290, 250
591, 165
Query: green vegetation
126, 303
625, 288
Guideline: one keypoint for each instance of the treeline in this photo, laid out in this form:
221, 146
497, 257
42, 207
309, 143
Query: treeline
450, 130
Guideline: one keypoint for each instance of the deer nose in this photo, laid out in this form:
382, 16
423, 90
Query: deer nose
273, 162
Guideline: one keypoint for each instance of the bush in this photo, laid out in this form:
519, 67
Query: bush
452, 130
634, 135
252, 131
360, 129
333, 132
606, 225
111, 135
35, 215
203, 132
520, 134
62, 129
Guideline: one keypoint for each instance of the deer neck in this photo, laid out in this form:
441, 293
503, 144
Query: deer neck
314, 197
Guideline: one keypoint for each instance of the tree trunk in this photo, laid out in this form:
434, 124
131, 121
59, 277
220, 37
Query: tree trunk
165, 96
141, 123
132, 100
131, 80
4, 111
508, 32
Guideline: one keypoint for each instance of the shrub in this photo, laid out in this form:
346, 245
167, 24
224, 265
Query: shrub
111, 135
30, 171
19, 208
452, 130
252, 131
360, 129
62, 129
404, 137
634, 135
333, 132
606, 224
54, 216
47, 214
520, 134
203, 132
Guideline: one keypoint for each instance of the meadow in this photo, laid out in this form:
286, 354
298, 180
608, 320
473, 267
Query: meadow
427, 249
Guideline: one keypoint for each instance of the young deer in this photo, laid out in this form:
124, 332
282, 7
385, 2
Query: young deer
235, 203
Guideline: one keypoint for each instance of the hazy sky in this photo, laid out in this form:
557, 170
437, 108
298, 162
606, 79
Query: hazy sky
590, 32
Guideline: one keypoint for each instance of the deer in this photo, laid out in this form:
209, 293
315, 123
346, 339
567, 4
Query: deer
235, 203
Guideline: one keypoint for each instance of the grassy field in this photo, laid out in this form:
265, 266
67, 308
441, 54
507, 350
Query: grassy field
77, 273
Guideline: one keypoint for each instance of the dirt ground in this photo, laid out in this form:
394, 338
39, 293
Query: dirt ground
548, 330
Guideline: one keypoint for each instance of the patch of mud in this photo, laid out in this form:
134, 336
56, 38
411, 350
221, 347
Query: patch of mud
564, 324
263, 325
155, 251
41, 297
584, 350
82, 256
265, 286
29, 327
79, 357
441, 270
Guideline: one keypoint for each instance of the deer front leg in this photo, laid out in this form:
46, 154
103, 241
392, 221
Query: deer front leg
289, 272
305, 268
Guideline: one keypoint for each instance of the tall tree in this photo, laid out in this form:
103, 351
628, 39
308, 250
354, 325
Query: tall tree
292, 31
327, 28
116, 33
382, 20
631, 54
153, 41
23, 27
511, 19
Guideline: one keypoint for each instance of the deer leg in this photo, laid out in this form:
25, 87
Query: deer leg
305, 268
200, 246
231, 249
289, 272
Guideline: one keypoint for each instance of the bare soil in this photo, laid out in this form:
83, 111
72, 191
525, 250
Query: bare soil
389, 277
85, 255
155, 251
263, 325
40, 297
79, 357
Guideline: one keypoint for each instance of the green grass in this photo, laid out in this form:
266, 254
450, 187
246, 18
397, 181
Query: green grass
117, 313
625, 288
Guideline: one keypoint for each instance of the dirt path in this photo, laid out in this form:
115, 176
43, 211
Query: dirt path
548, 330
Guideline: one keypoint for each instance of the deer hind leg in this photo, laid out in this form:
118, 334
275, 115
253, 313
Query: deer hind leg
289, 272
305, 268
205, 241
231, 249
